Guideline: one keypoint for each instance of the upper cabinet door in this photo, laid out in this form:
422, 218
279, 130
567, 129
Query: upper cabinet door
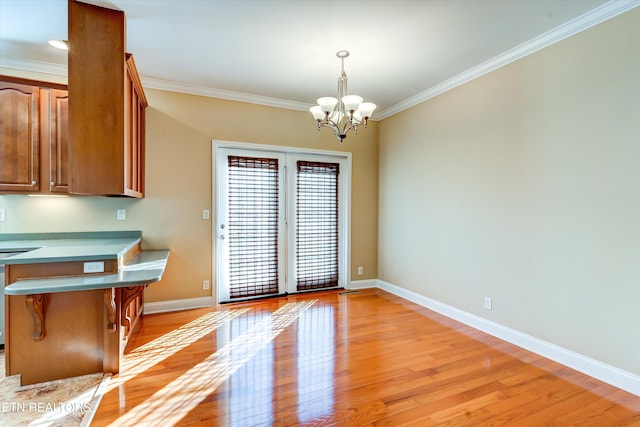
19, 138
59, 141
103, 157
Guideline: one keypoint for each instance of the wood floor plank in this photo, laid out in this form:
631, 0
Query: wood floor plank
361, 359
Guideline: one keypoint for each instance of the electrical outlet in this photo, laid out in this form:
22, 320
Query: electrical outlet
121, 214
3, 215
205, 285
360, 271
205, 214
94, 267
487, 303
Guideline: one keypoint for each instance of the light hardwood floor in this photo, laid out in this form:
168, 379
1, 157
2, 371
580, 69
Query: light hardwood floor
357, 359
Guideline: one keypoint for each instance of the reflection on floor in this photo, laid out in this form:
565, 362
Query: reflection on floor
177, 398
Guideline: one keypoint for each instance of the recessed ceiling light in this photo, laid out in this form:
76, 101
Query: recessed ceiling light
60, 44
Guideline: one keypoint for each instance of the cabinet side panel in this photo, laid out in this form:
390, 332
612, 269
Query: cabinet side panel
73, 324
135, 104
96, 91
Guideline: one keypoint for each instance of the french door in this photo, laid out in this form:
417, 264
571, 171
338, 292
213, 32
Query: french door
281, 222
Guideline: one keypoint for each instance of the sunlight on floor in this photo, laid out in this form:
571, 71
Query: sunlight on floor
154, 352
171, 403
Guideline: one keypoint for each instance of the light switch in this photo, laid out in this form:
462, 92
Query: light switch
3, 215
205, 214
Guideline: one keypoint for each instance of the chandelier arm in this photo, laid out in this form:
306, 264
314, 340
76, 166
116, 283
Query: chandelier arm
329, 125
340, 133
353, 126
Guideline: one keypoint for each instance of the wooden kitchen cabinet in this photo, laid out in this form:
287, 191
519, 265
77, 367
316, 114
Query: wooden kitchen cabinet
106, 106
34, 128
87, 140
20, 133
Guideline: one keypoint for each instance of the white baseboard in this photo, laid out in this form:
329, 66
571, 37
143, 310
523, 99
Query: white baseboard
609, 374
177, 305
363, 284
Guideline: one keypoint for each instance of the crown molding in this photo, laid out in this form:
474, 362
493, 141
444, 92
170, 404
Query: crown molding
594, 17
171, 86
153, 83
35, 66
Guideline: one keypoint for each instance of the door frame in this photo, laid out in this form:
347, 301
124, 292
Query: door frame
345, 226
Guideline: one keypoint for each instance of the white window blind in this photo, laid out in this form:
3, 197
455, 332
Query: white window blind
317, 225
253, 226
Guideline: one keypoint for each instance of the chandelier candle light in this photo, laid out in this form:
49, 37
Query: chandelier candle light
345, 112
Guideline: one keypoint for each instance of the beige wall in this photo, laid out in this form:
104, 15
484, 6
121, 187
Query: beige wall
180, 129
524, 185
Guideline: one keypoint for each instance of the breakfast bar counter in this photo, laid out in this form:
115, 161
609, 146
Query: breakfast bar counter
147, 267
73, 300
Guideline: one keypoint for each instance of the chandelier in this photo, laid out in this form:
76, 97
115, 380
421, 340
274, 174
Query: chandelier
345, 112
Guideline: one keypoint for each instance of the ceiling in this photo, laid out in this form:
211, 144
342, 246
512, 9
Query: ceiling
282, 52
